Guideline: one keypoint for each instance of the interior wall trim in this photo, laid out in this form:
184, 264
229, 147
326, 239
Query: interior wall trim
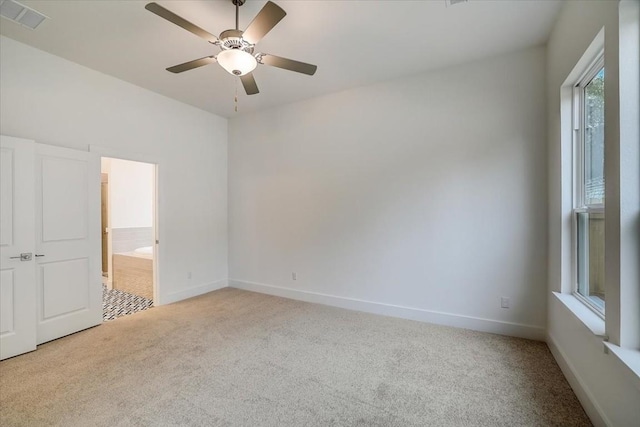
447, 319
593, 410
193, 292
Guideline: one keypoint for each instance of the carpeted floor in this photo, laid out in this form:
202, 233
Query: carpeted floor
236, 358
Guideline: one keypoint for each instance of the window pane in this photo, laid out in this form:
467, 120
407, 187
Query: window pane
594, 140
590, 257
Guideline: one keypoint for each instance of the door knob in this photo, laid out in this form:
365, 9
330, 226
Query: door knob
23, 256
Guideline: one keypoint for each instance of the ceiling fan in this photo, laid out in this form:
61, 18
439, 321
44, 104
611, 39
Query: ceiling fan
237, 46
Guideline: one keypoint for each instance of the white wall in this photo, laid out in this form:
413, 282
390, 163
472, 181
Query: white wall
57, 102
426, 192
131, 193
605, 388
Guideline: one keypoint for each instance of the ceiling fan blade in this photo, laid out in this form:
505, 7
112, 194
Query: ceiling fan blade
192, 64
288, 64
181, 22
249, 84
264, 21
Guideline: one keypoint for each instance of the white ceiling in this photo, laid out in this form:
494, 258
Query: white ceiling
354, 43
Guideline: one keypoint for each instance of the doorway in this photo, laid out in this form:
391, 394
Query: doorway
128, 190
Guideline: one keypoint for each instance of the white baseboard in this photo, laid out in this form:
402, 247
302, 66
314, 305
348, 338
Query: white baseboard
193, 292
428, 316
595, 413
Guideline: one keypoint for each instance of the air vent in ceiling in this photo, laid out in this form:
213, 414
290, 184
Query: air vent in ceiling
21, 14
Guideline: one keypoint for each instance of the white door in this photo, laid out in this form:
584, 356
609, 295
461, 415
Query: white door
67, 236
17, 277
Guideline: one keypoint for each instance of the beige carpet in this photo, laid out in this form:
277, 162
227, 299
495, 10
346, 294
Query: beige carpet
236, 358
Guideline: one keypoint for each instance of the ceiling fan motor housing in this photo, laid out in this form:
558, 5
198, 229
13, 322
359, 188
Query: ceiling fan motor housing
232, 39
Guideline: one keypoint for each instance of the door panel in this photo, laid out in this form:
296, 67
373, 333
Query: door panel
64, 199
17, 278
7, 285
6, 184
72, 293
67, 236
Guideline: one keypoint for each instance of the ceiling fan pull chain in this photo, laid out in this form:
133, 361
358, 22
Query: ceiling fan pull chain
236, 99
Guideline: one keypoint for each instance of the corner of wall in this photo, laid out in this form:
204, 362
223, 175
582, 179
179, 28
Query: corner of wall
587, 400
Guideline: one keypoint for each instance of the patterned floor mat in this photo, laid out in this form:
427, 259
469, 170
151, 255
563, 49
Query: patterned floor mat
117, 303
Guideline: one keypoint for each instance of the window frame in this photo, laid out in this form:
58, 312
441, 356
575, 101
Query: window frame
578, 188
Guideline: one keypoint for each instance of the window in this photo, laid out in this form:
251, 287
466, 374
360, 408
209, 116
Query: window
588, 211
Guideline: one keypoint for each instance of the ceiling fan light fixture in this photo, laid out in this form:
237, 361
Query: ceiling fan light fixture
237, 62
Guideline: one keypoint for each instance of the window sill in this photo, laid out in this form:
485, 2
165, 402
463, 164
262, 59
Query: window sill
591, 321
629, 359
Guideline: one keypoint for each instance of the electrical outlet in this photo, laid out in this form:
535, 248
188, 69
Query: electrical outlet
505, 302
294, 276
189, 275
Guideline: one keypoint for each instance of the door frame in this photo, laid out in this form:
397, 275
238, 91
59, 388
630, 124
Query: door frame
157, 198
107, 226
